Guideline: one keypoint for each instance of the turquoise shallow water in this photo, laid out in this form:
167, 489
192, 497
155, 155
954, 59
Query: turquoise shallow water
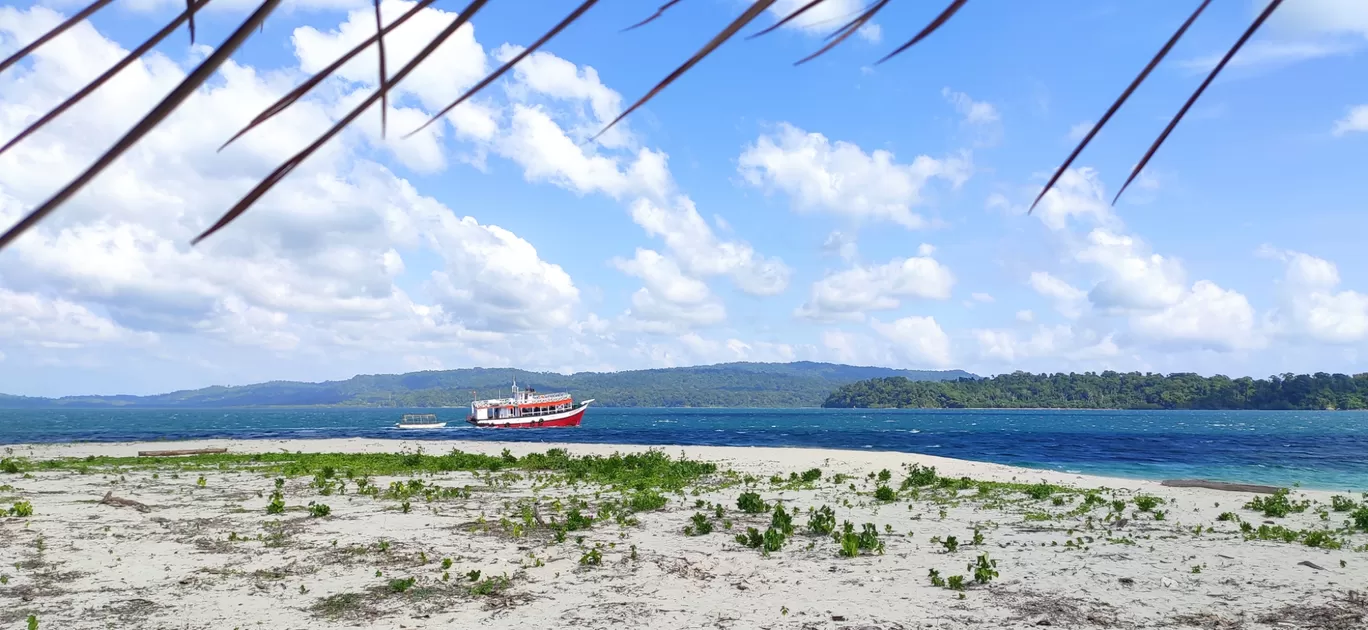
1317, 449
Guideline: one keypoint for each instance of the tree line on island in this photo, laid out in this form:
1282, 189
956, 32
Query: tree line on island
1110, 390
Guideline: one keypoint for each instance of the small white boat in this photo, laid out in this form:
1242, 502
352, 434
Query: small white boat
419, 421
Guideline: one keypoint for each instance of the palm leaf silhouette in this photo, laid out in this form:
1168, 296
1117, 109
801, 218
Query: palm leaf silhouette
212, 62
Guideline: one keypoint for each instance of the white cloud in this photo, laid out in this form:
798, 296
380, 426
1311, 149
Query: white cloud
1068, 299
1132, 279
982, 298
974, 112
1077, 195
1080, 131
1053, 342
841, 244
669, 300
1265, 53
702, 253
1025, 315
1355, 120
1311, 307
919, 340
32, 319
851, 293
1207, 317
842, 178
823, 19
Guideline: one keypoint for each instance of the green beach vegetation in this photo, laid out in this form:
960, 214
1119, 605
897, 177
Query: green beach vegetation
1110, 390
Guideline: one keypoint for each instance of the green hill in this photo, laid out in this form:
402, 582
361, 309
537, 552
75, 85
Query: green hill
801, 384
1111, 390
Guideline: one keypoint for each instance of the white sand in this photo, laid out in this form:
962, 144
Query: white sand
173, 567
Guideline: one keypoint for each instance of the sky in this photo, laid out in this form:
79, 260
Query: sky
840, 210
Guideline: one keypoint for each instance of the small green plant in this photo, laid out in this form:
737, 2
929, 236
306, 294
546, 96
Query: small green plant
473, 576
1228, 517
701, 525
319, 510
277, 503
1342, 504
936, 579
1159, 515
490, 586
1118, 506
751, 538
782, 521
822, 522
811, 475
201, 481
405, 507
399, 585
33, 622
1040, 491
984, 569
773, 540
1146, 502
279, 483
1276, 505
21, 509
1359, 518
885, 494
978, 537
647, 501
10, 466
446, 563
633, 555
750, 503
951, 544
885, 475
956, 582
591, 558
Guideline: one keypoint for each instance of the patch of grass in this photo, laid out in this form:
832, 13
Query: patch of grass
1277, 505
1228, 517
811, 475
399, 585
1342, 504
1041, 491
1359, 518
1146, 502
491, 586
342, 605
700, 526
885, 494
822, 521
750, 503
646, 501
21, 509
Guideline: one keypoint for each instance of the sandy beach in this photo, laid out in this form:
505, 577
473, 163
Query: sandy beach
195, 542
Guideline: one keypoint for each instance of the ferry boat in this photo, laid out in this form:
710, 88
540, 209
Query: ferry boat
419, 421
527, 409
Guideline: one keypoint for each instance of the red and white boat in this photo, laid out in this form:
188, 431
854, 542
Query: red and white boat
527, 409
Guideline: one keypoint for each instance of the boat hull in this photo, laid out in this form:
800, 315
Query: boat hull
426, 425
569, 418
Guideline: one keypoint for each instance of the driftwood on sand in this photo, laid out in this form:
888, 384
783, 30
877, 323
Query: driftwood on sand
1219, 485
190, 451
110, 499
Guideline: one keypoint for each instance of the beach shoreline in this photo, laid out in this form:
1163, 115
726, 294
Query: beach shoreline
204, 550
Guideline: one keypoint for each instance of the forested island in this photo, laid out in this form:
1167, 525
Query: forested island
798, 384
1110, 390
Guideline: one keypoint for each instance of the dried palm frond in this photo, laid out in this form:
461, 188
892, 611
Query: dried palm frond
205, 69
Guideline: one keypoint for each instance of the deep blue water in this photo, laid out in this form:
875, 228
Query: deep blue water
1315, 448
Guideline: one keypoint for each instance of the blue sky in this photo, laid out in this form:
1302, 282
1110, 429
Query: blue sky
835, 211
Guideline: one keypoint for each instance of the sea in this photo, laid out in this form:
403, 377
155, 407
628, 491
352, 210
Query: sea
1313, 449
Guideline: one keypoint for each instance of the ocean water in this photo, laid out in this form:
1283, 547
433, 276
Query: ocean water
1317, 449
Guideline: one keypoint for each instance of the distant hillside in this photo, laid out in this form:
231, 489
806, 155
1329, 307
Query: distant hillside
801, 384
1112, 390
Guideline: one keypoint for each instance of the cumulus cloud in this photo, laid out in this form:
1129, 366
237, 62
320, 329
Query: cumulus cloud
851, 293
1356, 119
1207, 316
1068, 299
919, 340
1131, 277
1309, 304
1058, 342
840, 177
825, 18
